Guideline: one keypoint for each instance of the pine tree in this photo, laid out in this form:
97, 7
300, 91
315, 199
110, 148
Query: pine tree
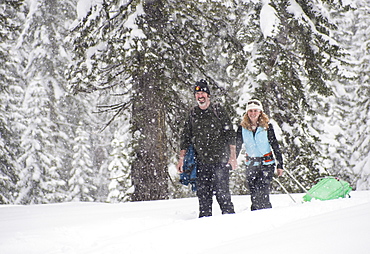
81, 181
44, 55
39, 181
361, 145
11, 93
154, 53
120, 186
291, 61
350, 145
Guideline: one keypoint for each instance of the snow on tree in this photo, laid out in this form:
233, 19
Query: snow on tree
39, 180
43, 55
348, 110
132, 49
11, 93
291, 56
361, 144
360, 152
80, 184
120, 186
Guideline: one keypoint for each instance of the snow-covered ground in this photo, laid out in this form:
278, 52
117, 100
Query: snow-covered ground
172, 226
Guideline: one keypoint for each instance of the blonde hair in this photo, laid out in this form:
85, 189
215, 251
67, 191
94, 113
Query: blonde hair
263, 121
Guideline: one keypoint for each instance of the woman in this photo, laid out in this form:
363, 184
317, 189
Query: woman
262, 153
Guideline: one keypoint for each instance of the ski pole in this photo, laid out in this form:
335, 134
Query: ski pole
284, 189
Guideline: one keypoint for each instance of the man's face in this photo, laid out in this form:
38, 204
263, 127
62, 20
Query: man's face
202, 98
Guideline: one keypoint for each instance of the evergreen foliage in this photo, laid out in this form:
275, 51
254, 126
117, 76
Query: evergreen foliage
44, 140
81, 182
290, 66
349, 108
10, 96
39, 181
163, 47
120, 186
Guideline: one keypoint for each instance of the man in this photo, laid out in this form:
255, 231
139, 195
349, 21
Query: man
210, 130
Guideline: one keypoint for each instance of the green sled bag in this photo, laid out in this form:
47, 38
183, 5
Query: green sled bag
328, 188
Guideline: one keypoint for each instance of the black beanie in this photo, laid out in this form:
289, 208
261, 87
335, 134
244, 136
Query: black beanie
201, 86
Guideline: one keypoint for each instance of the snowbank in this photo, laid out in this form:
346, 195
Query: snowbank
172, 226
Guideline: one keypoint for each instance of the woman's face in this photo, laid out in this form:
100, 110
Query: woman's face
253, 114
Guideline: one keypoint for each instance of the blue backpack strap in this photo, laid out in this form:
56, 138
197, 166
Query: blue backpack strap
189, 159
189, 168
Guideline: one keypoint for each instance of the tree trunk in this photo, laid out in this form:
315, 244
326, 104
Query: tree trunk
149, 170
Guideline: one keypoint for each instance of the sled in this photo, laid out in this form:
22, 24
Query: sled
328, 188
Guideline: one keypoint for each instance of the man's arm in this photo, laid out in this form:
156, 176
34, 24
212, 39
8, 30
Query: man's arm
230, 137
232, 160
180, 163
185, 138
239, 140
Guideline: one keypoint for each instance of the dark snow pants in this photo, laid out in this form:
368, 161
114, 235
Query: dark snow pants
258, 182
213, 179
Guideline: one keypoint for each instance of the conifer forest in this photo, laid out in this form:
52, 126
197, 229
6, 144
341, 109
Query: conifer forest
94, 93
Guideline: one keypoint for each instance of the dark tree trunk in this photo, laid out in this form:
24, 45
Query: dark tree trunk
149, 170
